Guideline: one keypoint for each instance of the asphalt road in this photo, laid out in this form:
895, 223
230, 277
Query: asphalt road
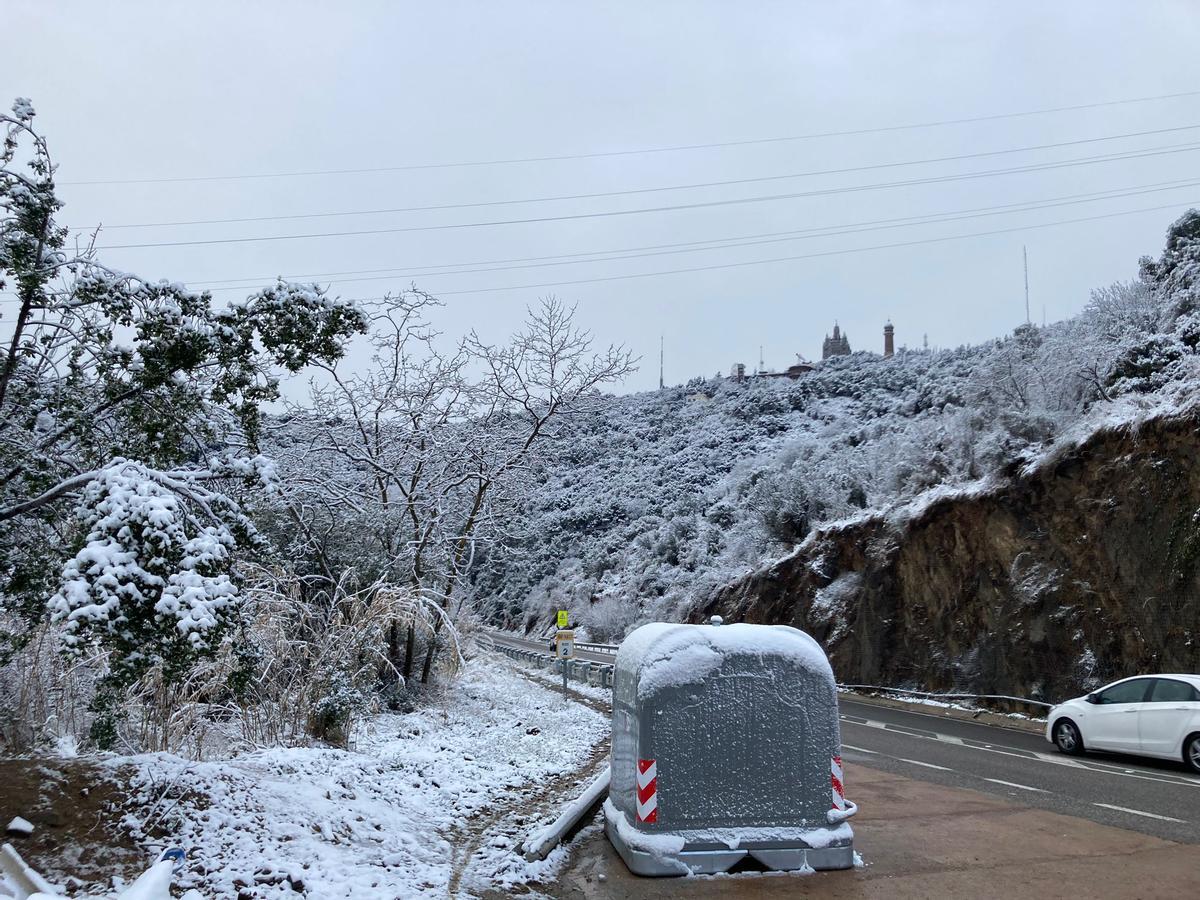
1149, 796
1157, 798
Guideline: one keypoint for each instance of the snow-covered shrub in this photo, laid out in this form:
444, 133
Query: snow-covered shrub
150, 582
607, 619
310, 665
340, 703
295, 668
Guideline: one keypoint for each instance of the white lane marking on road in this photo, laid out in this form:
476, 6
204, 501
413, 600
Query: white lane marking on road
860, 749
917, 762
1060, 760
1052, 759
1013, 784
1138, 812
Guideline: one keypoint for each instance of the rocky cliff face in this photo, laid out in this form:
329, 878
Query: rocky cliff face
1043, 584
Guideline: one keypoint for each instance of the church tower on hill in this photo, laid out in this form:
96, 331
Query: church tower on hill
838, 345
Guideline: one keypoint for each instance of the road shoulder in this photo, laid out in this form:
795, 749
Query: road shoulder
923, 840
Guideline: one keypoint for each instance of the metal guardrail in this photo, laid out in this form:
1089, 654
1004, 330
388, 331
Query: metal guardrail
597, 648
939, 696
588, 646
584, 671
928, 695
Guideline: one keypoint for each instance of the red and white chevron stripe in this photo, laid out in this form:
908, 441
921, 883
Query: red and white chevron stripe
647, 791
839, 789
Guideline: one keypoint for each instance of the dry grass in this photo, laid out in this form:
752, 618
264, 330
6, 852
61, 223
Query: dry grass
302, 666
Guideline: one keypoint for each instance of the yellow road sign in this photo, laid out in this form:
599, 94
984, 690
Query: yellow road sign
562, 618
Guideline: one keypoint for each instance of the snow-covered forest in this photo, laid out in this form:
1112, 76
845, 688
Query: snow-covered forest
648, 503
191, 563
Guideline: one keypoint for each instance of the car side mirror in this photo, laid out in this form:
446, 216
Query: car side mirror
1093, 698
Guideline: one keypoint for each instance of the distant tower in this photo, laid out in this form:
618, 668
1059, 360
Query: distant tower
838, 345
925, 341
661, 340
889, 346
1025, 261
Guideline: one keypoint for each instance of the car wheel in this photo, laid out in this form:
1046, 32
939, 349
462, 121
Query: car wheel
1067, 737
1191, 752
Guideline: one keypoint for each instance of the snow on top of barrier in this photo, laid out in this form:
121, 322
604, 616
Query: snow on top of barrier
662, 655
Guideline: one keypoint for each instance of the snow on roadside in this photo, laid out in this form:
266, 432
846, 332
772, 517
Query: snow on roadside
915, 699
379, 821
553, 681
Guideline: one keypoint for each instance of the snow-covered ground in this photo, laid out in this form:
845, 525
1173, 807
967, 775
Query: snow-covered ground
409, 813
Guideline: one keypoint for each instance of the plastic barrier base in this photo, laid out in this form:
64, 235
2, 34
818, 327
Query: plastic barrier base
710, 859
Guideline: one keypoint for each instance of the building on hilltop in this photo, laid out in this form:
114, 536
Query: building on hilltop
800, 367
838, 345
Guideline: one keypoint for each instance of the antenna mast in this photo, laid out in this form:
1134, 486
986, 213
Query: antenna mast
661, 343
1025, 259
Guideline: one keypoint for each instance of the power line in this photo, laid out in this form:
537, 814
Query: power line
718, 243
778, 259
400, 270
940, 179
803, 256
643, 150
652, 190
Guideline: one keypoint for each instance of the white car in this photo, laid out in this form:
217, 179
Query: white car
1151, 715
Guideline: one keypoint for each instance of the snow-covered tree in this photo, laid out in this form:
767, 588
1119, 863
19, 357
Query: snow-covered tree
129, 416
422, 453
1175, 276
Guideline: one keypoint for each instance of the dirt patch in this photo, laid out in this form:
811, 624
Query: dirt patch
76, 809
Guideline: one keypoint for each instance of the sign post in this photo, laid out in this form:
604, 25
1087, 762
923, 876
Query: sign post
564, 649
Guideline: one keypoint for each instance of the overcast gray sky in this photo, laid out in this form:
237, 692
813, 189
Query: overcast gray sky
128, 90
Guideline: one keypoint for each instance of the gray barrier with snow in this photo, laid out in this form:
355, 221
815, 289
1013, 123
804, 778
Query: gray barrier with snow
726, 744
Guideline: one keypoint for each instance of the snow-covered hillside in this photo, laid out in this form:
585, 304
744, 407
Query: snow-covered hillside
656, 495
647, 503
